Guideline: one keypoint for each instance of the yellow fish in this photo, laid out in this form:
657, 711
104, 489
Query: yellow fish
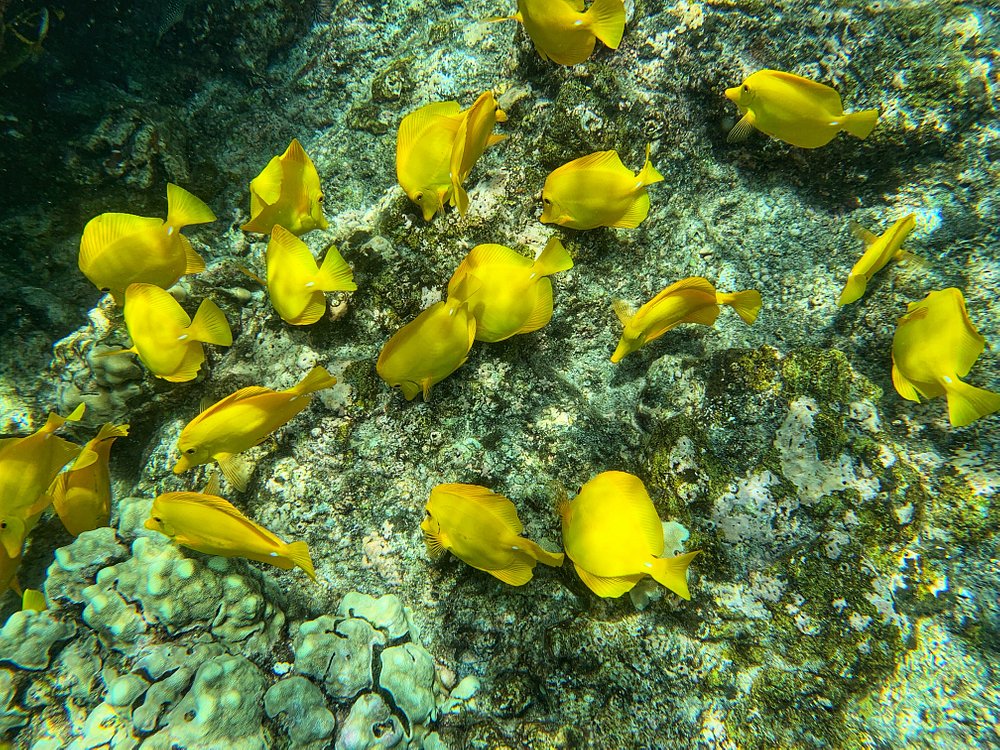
287, 192
474, 135
598, 191
614, 537
429, 348
935, 345
33, 599
28, 466
512, 294
121, 249
165, 338
481, 528
879, 250
424, 145
795, 110
8, 572
295, 283
242, 420
691, 300
207, 523
564, 33
82, 495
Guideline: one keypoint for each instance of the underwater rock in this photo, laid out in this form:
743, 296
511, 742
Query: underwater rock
338, 652
29, 635
408, 675
309, 723
370, 726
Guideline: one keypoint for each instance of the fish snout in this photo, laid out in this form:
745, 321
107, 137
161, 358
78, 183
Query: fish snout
181, 466
733, 94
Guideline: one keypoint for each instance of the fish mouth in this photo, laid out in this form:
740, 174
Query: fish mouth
733, 94
181, 466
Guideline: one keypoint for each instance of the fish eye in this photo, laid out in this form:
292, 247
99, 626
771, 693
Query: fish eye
546, 201
321, 198
189, 451
158, 520
746, 88
419, 196
3, 524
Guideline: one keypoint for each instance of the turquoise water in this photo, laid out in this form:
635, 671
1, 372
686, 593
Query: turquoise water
845, 591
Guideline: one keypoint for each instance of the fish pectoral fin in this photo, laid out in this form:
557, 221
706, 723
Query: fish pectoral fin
235, 469
865, 235
904, 387
607, 588
433, 543
518, 573
741, 130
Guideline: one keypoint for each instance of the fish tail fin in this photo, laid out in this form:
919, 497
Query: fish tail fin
553, 258
746, 304
672, 572
853, 289
334, 274
648, 174
111, 430
860, 124
210, 325
298, 553
184, 209
315, 380
607, 21
966, 403
552, 559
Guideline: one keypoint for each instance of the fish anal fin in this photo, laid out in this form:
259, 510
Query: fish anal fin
541, 313
518, 573
607, 587
313, 311
636, 213
191, 362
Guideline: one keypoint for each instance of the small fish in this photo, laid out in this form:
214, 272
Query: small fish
564, 33
474, 136
242, 420
121, 249
81, 496
205, 522
33, 599
481, 528
512, 294
598, 191
935, 345
424, 145
614, 537
879, 250
287, 192
429, 348
165, 338
795, 110
28, 467
296, 284
691, 300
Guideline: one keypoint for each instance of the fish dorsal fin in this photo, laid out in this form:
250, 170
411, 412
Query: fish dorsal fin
862, 234
970, 343
244, 393
205, 404
483, 256
295, 154
541, 313
489, 500
825, 95
194, 263
437, 114
623, 310
212, 487
285, 248
104, 230
267, 185
159, 303
596, 160
690, 284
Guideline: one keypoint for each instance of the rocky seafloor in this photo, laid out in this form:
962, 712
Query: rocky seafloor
846, 594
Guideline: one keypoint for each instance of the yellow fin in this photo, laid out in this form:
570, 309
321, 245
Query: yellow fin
705, 316
433, 543
236, 470
190, 364
313, 311
822, 94
315, 380
742, 129
598, 159
195, 263
553, 258
853, 290
623, 310
267, 185
607, 588
635, 214
184, 209
210, 325
86, 458
552, 559
862, 234
413, 126
334, 274
672, 572
860, 124
966, 403
518, 573
541, 314
159, 302
106, 229
298, 553
212, 486
110, 431
496, 504
247, 272
747, 303
33, 599
904, 387
606, 19
648, 174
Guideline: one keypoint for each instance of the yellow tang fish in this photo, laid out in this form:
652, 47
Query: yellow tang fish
295, 283
121, 249
82, 496
598, 191
795, 110
474, 135
429, 348
935, 345
28, 466
33, 599
207, 523
287, 192
424, 145
481, 528
165, 338
512, 296
562, 32
8, 572
691, 300
879, 250
614, 537
242, 420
